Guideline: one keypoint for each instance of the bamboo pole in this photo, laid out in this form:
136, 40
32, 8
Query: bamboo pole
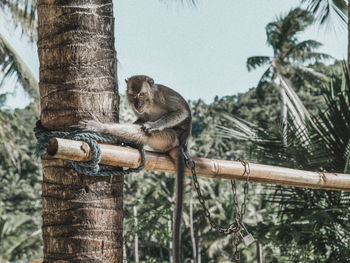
128, 157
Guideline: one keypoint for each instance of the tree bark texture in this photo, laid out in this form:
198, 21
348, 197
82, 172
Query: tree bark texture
136, 236
82, 215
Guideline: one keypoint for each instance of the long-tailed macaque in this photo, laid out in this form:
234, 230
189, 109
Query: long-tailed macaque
164, 124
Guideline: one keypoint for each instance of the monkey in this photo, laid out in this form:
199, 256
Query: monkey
163, 124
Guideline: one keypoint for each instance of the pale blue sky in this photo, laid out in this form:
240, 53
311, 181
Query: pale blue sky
200, 52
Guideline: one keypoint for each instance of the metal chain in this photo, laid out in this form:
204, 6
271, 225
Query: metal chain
240, 211
234, 227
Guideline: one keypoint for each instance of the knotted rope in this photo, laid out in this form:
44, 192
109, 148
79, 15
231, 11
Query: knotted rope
93, 167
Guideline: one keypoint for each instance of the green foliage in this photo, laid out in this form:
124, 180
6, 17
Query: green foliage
20, 237
20, 189
307, 225
289, 53
324, 9
23, 15
288, 67
11, 64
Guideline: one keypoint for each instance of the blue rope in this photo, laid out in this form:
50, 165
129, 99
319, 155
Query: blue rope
93, 167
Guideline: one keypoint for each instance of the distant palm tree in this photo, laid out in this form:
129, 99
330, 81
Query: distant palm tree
11, 63
289, 58
23, 15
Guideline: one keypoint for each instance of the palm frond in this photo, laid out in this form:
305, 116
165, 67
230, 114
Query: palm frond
302, 112
328, 133
243, 130
282, 32
304, 210
257, 61
264, 81
12, 64
313, 73
304, 52
334, 127
268, 147
313, 57
246, 131
323, 9
23, 14
308, 45
347, 157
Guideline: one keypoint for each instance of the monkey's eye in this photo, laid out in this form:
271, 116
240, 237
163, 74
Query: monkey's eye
142, 94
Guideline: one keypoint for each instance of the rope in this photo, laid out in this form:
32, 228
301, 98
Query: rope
92, 168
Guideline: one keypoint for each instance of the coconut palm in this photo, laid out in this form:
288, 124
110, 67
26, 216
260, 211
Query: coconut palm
313, 225
288, 60
22, 15
12, 64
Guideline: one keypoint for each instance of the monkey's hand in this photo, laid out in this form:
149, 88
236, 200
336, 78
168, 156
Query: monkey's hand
91, 125
149, 127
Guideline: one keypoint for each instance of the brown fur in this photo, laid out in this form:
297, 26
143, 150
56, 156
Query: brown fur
163, 124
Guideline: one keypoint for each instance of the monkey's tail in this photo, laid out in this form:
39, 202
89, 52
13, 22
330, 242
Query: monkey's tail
180, 170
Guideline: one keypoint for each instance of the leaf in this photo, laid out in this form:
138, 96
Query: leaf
257, 61
12, 64
23, 14
323, 9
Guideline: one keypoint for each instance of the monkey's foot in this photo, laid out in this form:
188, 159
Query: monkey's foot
91, 125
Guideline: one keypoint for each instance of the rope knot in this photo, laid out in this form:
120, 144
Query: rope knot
93, 167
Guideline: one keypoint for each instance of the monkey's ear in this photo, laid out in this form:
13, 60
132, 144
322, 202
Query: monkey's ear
150, 81
126, 81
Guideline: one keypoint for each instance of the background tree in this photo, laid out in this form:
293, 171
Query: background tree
20, 188
307, 225
22, 15
289, 58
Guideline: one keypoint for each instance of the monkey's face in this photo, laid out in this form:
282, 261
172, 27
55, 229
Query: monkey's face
139, 95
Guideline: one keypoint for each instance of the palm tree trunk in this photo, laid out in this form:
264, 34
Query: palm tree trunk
259, 252
193, 239
82, 215
125, 257
136, 236
199, 248
170, 242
